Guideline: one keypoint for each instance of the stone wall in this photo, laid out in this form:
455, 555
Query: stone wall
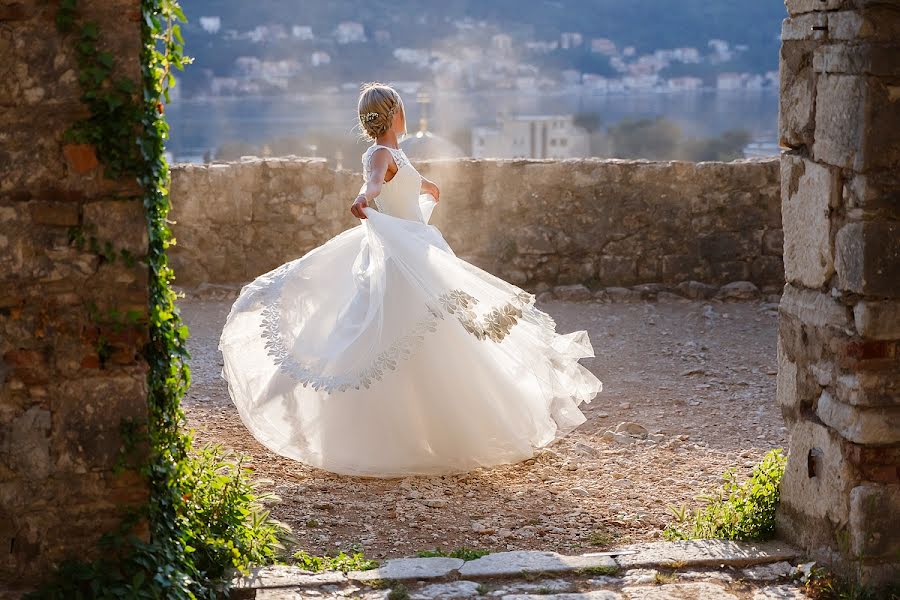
839, 326
538, 224
68, 373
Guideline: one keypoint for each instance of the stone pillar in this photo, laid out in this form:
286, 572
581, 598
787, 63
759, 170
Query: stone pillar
839, 325
71, 366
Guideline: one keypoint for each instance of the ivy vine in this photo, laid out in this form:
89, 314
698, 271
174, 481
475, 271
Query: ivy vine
204, 513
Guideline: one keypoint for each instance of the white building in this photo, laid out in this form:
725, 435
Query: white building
730, 81
570, 39
603, 46
681, 84
319, 58
302, 32
531, 136
348, 32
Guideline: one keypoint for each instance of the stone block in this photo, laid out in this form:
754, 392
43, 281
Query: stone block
702, 553
817, 479
796, 7
877, 320
815, 308
808, 26
867, 258
855, 122
678, 267
121, 222
773, 240
873, 521
797, 98
808, 193
61, 214
874, 23
861, 425
870, 387
767, 270
857, 59
404, 569
617, 270
527, 561
81, 158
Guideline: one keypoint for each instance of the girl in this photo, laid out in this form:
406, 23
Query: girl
382, 354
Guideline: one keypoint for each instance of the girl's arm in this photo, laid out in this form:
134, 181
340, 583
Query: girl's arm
430, 187
381, 159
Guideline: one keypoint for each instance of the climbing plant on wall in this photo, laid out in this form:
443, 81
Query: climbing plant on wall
204, 514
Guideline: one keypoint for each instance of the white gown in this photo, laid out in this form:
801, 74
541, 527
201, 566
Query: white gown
382, 354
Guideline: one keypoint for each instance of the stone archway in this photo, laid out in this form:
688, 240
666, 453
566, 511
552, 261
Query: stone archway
839, 325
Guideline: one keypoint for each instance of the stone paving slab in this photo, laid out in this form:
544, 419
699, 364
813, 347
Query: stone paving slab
401, 569
593, 595
702, 553
700, 590
280, 576
502, 564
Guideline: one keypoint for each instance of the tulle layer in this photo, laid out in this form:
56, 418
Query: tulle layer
382, 354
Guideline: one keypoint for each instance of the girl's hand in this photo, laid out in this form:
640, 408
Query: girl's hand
431, 188
358, 205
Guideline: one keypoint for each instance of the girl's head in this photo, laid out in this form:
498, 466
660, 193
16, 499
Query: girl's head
380, 110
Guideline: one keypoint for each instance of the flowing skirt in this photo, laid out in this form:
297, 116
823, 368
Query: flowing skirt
382, 354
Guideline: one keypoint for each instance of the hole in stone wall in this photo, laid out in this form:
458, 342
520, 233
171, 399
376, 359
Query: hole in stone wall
813, 462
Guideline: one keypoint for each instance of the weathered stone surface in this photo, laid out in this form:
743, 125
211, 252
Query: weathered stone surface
62, 412
877, 320
679, 591
856, 117
410, 568
738, 290
453, 589
696, 290
591, 595
808, 192
796, 7
796, 106
280, 576
815, 308
780, 592
120, 222
572, 293
867, 258
613, 222
817, 480
858, 59
769, 572
516, 563
873, 527
874, 426
697, 553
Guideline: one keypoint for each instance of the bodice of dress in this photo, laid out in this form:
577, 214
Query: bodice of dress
399, 197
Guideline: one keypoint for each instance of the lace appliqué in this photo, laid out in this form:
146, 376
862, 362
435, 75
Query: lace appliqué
399, 157
494, 326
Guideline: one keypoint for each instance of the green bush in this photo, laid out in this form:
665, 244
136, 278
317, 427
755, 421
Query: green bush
342, 562
737, 511
222, 523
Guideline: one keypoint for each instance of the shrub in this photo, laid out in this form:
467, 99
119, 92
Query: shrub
341, 562
737, 511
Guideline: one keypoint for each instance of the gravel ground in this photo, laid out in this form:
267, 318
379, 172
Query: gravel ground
694, 381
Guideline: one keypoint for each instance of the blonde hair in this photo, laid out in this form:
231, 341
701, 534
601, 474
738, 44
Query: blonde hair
378, 103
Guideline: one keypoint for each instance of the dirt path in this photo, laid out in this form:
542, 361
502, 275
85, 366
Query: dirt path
699, 376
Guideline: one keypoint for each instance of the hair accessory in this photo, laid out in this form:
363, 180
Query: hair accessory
368, 117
